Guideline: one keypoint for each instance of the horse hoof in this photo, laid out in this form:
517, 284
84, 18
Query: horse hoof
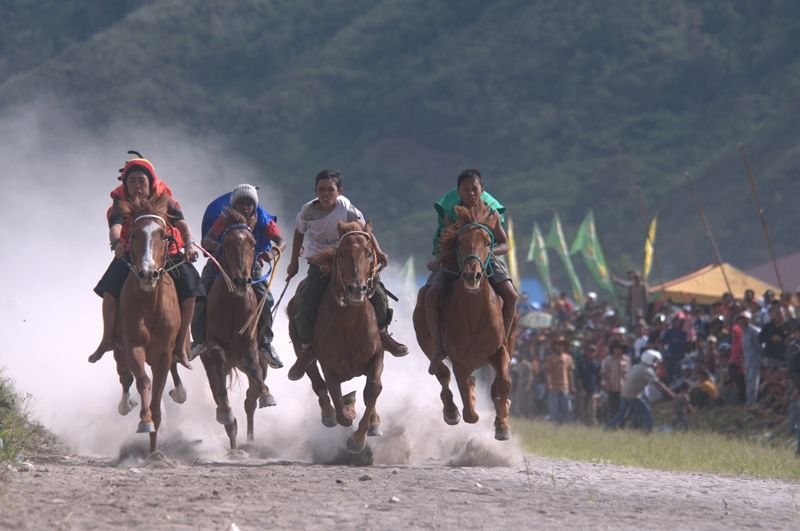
266, 400
502, 434
328, 416
354, 447
146, 427
470, 418
452, 421
178, 395
374, 431
126, 406
226, 418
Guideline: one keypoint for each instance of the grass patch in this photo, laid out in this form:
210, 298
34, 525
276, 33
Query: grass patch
692, 451
18, 433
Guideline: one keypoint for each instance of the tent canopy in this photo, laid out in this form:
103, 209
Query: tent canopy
707, 285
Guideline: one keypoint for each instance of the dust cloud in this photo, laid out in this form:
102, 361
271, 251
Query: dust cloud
56, 181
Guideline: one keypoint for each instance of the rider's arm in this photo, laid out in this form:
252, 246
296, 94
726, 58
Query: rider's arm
297, 244
211, 240
500, 239
186, 232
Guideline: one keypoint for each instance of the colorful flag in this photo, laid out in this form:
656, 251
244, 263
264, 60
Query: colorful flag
511, 257
587, 243
555, 240
649, 248
538, 254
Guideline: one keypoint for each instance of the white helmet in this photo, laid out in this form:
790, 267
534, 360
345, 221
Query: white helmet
650, 357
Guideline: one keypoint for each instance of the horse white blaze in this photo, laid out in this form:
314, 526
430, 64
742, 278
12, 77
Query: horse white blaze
148, 262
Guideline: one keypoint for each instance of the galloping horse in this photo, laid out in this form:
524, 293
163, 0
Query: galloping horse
149, 310
472, 324
346, 341
231, 326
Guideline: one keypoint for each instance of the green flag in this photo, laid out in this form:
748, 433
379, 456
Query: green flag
587, 243
537, 253
555, 240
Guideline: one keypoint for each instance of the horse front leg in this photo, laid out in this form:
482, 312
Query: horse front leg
214, 360
178, 394
126, 403
358, 440
335, 391
256, 373
321, 390
136, 360
501, 388
449, 408
251, 397
160, 375
466, 386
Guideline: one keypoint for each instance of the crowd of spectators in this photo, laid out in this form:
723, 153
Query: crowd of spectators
730, 352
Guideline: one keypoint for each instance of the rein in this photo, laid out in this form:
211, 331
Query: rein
463, 260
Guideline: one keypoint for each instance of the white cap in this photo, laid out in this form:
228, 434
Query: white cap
244, 191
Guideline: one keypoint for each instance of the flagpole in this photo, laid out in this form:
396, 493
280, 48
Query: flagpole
761, 216
643, 212
708, 232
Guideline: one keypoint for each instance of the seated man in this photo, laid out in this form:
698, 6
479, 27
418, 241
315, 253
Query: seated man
243, 199
469, 192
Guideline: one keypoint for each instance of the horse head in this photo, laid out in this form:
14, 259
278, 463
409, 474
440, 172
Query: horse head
149, 238
354, 264
238, 249
473, 241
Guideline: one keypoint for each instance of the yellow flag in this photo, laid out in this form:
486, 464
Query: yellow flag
649, 248
513, 268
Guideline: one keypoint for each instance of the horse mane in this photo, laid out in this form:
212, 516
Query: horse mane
234, 217
153, 205
448, 240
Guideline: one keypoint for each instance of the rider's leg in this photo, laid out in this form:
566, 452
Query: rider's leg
316, 282
433, 311
501, 282
109, 288
383, 314
109, 315
265, 334
199, 316
188, 287
180, 353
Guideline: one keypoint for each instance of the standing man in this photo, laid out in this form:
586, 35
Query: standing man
751, 350
559, 368
640, 376
613, 373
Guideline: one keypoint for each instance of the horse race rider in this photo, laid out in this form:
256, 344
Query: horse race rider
316, 230
469, 192
269, 245
140, 181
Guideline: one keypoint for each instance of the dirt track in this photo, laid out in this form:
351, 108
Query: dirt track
78, 492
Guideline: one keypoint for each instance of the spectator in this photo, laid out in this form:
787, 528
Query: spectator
522, 371
636, 298
705, 392
588, 376
773, 336
751, 350
736, 361
638, 378
559, 369
676, 344
640, 342
681, 408
613, 372
763, 311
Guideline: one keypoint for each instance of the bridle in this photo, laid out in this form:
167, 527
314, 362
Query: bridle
238, 281
156, 275
375, 269
485, 264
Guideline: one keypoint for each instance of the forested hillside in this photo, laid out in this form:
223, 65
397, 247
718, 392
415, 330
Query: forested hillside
564, 106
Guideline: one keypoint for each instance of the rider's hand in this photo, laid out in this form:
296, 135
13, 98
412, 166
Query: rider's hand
434, 265
119, 252
291, 270
191, 253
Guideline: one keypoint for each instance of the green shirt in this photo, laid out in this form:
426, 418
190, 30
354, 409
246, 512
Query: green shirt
445, 210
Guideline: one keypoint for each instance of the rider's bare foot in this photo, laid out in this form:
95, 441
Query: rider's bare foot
180, 356
305, 359
97, 354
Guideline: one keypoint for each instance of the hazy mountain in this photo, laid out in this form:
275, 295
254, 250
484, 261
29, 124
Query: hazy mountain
563, 105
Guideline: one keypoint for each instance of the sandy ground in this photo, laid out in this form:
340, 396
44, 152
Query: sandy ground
480, 487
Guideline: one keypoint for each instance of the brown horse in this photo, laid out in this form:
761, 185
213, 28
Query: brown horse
346, 340
149, 311
472, 325
231, 327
